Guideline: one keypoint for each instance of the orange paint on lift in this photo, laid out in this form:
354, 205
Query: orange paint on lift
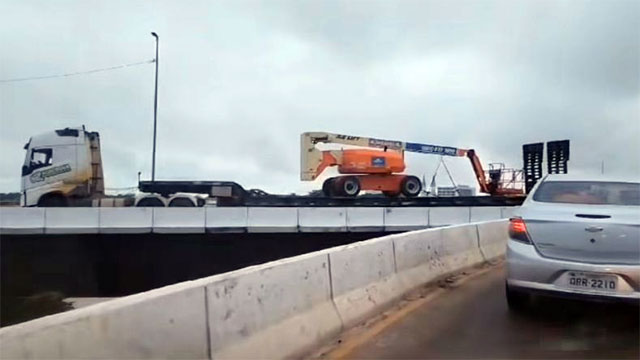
389, 183
374, 169
371, 162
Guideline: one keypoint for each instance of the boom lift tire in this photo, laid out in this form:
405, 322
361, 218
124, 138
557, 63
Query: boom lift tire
328, 187
411, 186
348, 186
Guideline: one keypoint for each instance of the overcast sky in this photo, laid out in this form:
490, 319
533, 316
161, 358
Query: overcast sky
240, 80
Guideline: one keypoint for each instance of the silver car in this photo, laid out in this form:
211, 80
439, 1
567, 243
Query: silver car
576, 237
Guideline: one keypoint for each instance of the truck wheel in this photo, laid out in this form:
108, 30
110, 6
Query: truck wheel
327, 187
150, 201
54, 200
181, 202
411, 186
349, 186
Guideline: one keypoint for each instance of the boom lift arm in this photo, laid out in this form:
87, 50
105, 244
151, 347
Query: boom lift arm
314, 161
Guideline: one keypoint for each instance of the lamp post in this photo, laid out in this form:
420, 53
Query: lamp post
155, 113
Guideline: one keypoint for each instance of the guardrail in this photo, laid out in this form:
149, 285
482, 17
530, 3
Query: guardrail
236, 219
274, 310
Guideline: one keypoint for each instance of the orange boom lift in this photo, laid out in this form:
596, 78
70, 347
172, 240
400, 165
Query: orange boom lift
377, 166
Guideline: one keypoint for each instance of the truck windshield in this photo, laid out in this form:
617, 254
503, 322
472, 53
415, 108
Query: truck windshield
586, 192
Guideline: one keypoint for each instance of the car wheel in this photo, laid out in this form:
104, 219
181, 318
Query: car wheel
517, 300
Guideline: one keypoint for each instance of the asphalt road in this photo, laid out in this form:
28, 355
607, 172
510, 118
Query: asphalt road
472, 321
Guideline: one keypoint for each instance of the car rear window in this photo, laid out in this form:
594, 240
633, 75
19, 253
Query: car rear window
588, 192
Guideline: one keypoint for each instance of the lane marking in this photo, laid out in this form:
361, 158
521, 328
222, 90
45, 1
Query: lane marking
354, 341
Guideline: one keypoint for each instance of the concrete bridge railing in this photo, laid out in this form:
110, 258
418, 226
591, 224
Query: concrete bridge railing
274, 310
202, 220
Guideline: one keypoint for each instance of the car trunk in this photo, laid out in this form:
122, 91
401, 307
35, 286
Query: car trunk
587, 233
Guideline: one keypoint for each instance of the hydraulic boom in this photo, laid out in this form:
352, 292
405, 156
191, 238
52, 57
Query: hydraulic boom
376, 169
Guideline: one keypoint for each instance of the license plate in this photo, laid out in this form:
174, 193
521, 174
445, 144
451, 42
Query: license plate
589, 281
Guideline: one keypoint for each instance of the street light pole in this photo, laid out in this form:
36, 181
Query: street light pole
155, 113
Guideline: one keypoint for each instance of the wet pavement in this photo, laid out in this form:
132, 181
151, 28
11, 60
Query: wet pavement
472, 321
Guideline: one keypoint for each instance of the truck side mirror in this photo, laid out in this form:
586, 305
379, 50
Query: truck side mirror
26, 170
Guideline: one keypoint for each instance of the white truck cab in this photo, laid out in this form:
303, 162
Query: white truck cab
61, 166
64, 168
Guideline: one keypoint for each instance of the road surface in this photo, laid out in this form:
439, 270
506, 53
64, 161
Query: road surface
473, 321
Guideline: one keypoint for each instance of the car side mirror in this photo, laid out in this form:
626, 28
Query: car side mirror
26, 170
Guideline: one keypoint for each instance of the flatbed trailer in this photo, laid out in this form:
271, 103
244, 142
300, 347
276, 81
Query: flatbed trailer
229, 193
374, 201
211, 188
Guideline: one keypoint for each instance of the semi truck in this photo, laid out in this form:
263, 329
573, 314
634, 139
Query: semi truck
64, 168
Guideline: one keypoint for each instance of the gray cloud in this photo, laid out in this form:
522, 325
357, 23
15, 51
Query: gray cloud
239, 81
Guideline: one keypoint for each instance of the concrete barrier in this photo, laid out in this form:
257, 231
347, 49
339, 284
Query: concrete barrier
15, 220
275, 310
460, 247
418, 258
484, 213
267, 219
445, 216
492, 238
365, 219
131, 220
237, 219
175, 220
71, 220
168, 323
320, 219
267, 312
226, 219
507, 212
362, 279
270, 310
405, 219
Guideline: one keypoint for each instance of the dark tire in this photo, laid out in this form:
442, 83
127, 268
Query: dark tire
411, 186
349, 186
54, 200
327, 187
181, 202
150, 201
516, 300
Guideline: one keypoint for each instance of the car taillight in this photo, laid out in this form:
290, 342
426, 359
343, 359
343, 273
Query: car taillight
518, 230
